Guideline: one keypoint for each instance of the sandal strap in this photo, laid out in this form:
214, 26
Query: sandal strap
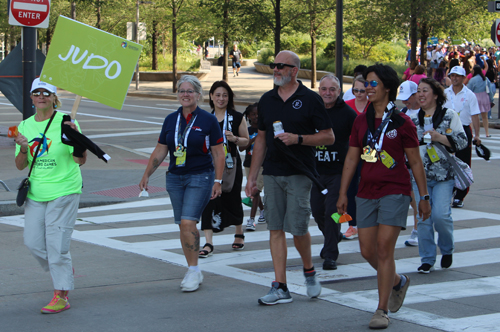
239, 236
210, 246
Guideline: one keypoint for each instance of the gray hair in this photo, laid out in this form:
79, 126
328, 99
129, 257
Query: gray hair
332, 77
358, 78
293, 57
193, 80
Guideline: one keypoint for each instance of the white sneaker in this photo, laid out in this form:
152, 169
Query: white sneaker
251, 225
192, 281
413, 239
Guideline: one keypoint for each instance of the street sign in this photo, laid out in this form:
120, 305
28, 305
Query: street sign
90, 62
493, 6
29, 13
495, 32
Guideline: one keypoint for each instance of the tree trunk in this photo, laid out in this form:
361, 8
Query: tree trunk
174, 46
226, 41
424, 34
98, 13
154, 55
277, 28
73, 10
313, 60
413, 34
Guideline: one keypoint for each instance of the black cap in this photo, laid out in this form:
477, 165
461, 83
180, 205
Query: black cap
483, 152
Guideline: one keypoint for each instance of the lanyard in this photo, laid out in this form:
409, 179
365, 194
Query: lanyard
380, 132
178, 137
224, 128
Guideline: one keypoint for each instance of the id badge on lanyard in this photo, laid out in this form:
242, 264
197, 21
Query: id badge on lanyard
180, 148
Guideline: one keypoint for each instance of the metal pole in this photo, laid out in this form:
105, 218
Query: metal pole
137, 41
339, 43
29, 69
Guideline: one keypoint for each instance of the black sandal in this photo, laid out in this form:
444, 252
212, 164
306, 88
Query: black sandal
239, 246
205, 253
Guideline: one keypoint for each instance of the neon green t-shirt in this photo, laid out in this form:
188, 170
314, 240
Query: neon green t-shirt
55, 173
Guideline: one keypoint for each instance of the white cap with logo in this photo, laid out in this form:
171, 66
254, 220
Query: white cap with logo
37, 84
406, 90
457, 70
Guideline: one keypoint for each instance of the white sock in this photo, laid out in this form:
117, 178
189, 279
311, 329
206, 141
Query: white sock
195, 268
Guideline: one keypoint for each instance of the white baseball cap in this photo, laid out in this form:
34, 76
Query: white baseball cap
406, 90
37, 84
457, 70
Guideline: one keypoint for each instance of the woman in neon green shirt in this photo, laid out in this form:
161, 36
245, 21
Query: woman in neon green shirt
55, 187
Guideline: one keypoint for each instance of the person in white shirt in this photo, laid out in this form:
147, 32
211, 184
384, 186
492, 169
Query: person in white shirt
437, 56
464, 102
408, 95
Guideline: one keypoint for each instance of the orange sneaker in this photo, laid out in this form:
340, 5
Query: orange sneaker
57, 304
351, 233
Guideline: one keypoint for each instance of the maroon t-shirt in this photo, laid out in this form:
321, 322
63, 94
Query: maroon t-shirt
377, 180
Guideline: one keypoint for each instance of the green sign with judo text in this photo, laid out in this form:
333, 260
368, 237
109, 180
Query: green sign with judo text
90, 62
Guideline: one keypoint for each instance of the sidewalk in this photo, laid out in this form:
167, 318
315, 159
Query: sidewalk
248, 87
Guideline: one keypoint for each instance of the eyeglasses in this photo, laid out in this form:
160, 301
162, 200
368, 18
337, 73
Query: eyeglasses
359, 90
44, 93
372, 83
332, 89
280, 65
189, 92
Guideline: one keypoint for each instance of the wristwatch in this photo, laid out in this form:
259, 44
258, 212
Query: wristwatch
218, 181
300, 140
425, 198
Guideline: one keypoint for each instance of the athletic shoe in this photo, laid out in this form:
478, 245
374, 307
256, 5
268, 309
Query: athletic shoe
457, 203
262, 219
413, 239
398, 296
57, 304
236, 73
192, 281
425, 268
351, 233
276, 295
329, 264
446, 261
380, 320
251, 225
313, 286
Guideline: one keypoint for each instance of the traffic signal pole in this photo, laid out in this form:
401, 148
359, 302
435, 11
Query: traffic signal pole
29, 69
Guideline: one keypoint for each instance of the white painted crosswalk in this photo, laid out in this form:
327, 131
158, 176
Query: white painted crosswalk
123, 220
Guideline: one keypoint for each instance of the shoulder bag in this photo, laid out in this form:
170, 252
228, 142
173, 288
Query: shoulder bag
463, 173
24, 187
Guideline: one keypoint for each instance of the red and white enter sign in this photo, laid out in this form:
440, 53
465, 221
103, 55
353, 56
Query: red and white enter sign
29, 13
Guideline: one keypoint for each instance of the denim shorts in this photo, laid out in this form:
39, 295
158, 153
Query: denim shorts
391, 210
287, 203
189, 194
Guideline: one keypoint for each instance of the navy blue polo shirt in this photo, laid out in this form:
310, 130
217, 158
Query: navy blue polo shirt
303, 113
204, 134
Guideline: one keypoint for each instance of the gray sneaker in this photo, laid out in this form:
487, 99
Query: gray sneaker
313, 286
276, 295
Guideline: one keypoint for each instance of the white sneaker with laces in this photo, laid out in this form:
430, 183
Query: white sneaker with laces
413, 239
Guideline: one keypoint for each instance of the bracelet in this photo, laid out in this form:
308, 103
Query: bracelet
21, 150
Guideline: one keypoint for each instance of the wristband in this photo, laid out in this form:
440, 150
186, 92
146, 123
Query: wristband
218, 181
21, 150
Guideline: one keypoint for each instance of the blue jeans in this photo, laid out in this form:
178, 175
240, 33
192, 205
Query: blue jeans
440, 220
189, 194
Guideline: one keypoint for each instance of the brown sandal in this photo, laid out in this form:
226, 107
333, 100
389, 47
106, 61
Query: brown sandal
239, 246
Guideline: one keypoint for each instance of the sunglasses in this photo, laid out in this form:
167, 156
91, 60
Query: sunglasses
280, 65
359, 90
372, 83
44, 93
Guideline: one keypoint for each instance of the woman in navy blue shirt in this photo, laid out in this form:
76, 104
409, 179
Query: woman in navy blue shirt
191, 136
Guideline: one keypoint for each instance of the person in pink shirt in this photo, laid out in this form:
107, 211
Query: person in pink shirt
418, 74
